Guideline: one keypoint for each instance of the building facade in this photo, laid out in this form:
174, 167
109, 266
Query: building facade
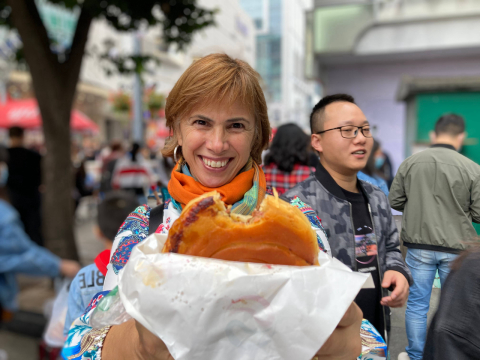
406, 62
280, 32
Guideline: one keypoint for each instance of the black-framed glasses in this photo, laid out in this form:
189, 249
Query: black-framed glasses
351, 131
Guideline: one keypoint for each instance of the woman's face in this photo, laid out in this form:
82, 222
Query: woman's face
216, 141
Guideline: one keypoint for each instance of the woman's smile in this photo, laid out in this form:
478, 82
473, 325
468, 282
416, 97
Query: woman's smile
215, 164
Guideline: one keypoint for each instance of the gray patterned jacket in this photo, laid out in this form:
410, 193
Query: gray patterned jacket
322, 193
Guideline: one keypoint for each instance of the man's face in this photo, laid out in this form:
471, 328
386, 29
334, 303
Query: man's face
345, 156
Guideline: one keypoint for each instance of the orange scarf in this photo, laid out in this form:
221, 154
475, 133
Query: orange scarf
184, 188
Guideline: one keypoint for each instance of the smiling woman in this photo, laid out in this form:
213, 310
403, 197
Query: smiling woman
218, 115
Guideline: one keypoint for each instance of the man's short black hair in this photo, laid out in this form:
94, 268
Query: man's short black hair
113, 210
15, 132
315, 123
451, 124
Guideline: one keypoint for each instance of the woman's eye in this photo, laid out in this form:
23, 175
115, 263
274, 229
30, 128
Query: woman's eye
200, 122
238, 126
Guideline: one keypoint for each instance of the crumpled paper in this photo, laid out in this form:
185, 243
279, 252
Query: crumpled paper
207, 309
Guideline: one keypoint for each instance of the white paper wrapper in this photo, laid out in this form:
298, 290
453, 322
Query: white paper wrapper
205, 309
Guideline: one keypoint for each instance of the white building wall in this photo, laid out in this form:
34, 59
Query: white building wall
234, 34
93, 71
298, 94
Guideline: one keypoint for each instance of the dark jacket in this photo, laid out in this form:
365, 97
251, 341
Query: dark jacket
454, 332
324, 195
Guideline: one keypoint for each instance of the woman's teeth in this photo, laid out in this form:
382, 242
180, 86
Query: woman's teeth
215, 164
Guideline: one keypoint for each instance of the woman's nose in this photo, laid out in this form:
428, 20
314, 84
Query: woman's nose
217, 141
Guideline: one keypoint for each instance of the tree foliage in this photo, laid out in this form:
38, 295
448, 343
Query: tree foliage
177, 19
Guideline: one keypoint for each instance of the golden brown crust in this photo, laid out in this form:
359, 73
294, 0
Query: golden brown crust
277, 233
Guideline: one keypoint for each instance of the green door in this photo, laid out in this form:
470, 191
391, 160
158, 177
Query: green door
467, 104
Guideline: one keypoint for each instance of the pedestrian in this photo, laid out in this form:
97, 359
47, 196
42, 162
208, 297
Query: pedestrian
111, 213
19, 254
108, 166
383, 165
438, 191
356, 215
453, 332
218, 115
370, 173
83, 185
24, 181
286, 164
133, 173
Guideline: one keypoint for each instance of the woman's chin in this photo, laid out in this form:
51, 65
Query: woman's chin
214, 182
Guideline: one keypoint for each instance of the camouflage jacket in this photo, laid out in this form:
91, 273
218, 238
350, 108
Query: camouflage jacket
322, 193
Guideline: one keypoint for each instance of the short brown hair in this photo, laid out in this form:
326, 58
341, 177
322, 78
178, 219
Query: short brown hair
215, 78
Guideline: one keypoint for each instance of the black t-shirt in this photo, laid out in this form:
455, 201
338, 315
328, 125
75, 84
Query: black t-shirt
366, 257
24, 171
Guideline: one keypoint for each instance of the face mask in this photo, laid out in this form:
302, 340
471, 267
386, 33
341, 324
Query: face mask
379, 161
3, 174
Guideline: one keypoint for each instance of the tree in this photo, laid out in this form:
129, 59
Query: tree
55, 78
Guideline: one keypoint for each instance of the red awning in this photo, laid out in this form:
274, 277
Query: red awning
26, 114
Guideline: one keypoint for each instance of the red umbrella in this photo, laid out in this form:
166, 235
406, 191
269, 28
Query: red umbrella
25, 113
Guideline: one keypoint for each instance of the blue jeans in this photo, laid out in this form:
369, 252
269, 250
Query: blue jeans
423, 264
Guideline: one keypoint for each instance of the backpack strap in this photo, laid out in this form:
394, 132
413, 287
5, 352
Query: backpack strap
156, 218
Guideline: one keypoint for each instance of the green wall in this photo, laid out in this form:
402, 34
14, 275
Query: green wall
467, 104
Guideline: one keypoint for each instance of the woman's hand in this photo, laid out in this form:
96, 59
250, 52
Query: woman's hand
132, 341
149, 345
345, 342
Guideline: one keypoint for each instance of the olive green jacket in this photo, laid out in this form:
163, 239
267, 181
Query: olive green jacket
438, 191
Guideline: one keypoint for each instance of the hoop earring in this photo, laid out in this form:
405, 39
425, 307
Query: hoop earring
175, 154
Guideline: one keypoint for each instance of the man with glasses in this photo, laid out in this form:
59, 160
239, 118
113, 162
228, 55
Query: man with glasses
356, 215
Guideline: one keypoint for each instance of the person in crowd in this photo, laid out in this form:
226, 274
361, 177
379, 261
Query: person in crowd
383, 164
286, 163
133, 173
218, 115
116, 152
112, 211
370, 172
18, 253
438, 191
352, 209
24, 181
108, 166
83, 184
453, 332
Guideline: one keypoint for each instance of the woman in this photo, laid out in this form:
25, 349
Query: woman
218, 116
370, 173
286, 163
